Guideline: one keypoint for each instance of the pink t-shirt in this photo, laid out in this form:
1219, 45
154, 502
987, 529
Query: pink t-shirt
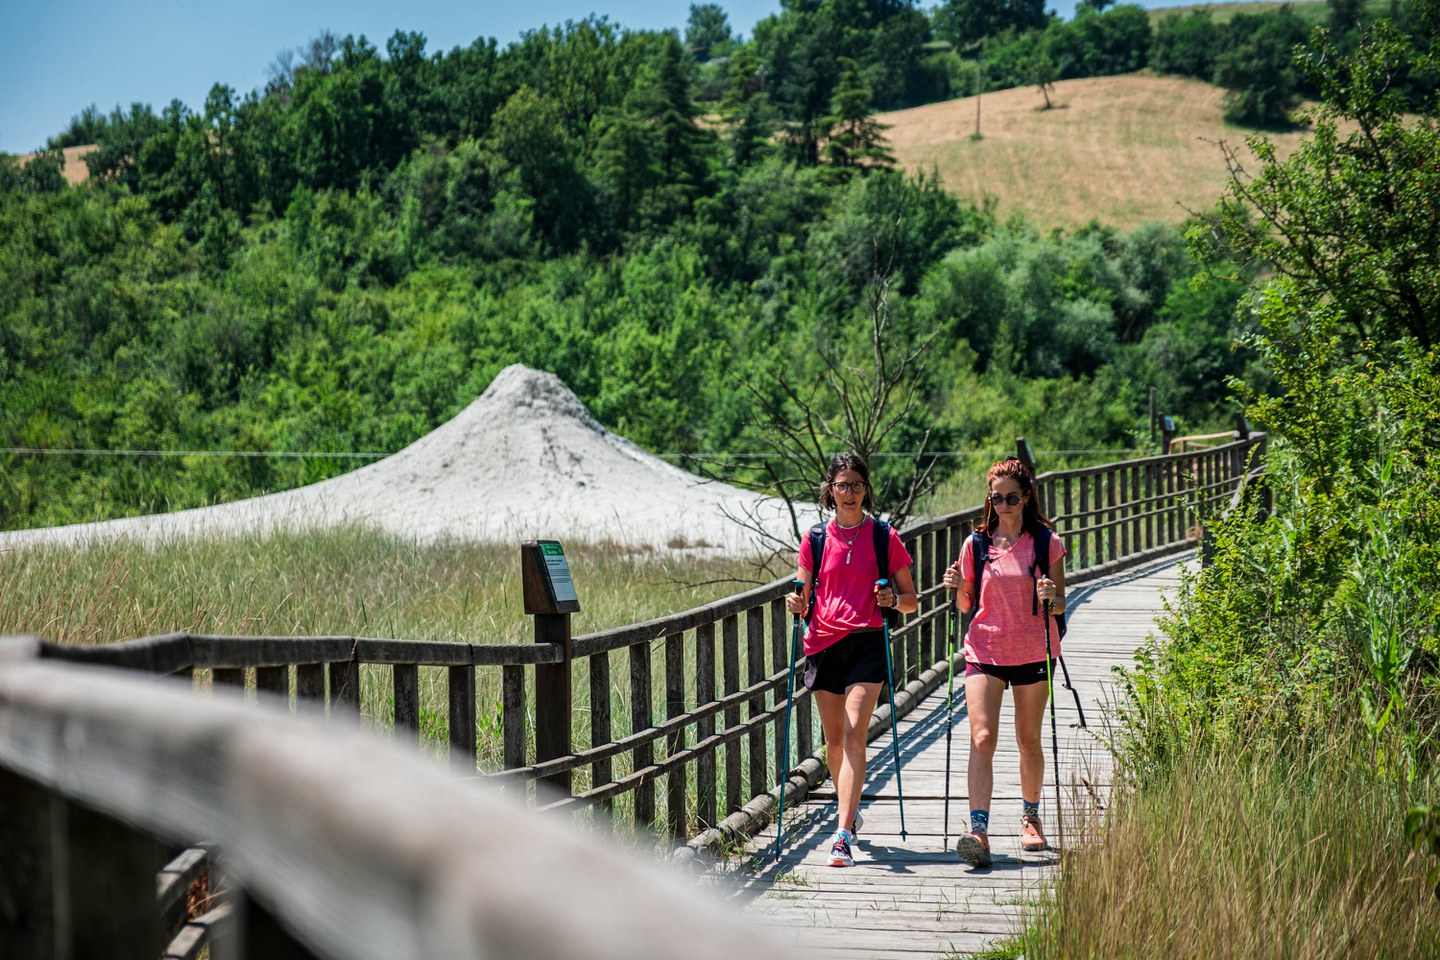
1005, 630
845, 595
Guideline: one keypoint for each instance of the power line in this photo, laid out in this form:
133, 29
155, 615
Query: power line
352, 455
294, 454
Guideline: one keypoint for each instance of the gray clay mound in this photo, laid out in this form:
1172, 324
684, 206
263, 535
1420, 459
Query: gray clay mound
525, 460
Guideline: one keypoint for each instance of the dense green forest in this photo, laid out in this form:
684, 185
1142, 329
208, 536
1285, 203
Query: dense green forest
339, 262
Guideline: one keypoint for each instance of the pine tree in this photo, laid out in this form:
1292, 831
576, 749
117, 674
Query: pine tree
856, 139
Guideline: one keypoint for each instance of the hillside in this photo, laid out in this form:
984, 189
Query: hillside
1121, 150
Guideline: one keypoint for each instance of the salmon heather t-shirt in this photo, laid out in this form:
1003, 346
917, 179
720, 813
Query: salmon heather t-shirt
845, 595
1007, 630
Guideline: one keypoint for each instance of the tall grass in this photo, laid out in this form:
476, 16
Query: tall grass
1275, 849
359, 582
1280, 849
348, 582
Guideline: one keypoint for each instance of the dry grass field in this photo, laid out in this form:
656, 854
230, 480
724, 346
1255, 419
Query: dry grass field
75, 171
1120, 150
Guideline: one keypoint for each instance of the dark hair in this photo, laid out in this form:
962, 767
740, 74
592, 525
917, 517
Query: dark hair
1013, 468
846, 461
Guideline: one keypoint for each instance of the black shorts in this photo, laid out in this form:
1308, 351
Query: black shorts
1014, 675
857, 657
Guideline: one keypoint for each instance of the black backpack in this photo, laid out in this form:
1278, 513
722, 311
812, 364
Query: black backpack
881, 531
980, 553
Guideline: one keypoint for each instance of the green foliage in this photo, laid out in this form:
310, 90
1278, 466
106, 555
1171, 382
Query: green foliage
967, 22
1325, 612
1186, 44
340, 262
1262, 86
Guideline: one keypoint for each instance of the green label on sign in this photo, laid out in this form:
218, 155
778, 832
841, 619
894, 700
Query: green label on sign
559, 572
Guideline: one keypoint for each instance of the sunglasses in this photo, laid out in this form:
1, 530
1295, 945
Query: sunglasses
1010, 499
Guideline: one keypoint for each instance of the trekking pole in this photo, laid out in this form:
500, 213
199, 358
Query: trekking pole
894, 733
799, 586
950, 711
1073, 692
1054, 737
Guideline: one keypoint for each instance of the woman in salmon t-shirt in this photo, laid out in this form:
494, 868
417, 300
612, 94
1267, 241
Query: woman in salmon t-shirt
845, 641
1005, 647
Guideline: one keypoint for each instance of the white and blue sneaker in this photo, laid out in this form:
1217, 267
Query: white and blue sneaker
855, 826
840, 849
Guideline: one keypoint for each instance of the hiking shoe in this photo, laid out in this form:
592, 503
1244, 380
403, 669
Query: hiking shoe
840, 851
974, 849
1032, 835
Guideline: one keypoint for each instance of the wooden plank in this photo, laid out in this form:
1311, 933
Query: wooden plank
675, 782
642, 715
460, 686
758, 782
345, 686
405, 687
274, 680
780, 641
29, 912
108, 888
227, 677
310, 683
705, 727
512, 713
730, 661
602, 770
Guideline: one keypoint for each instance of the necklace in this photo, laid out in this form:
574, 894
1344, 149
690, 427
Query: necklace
849, 542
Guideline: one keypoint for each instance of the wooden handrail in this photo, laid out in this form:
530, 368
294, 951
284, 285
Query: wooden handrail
344, 845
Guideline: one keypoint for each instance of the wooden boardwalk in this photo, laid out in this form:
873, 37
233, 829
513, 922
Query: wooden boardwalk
912, 898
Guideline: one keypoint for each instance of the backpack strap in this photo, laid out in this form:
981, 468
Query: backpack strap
979, 555
1041, 568
1040, 563
817, 553
882, 562
882, 548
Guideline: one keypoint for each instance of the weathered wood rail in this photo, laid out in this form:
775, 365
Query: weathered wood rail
687, 738
333, 843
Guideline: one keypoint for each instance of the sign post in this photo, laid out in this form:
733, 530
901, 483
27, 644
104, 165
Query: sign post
550, 598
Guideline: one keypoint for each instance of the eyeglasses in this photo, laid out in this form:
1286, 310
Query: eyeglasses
1009, 498
857, 487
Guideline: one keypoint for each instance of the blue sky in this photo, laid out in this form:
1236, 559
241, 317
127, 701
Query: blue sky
56, 59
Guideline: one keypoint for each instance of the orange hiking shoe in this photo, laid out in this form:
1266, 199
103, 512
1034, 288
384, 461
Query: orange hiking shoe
1032, 835
974, 848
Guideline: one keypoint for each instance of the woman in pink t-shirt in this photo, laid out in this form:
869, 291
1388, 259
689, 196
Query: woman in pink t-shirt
845, 641
1005, 647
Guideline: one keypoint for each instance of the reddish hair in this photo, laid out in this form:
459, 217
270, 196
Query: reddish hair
1013, 468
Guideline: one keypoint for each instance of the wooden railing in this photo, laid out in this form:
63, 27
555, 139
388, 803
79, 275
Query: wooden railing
680, 730
332, 843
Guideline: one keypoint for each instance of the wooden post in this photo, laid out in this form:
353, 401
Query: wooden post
1167, 432
109, 883
262, 937
553, 699
550, 598
462, 717
1022, 450
642, 717
27, 868
1152, 415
